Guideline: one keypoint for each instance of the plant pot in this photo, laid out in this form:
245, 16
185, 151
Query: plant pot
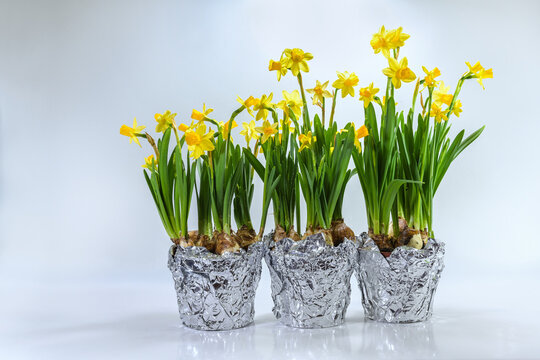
400, 288
310, 280
216, 292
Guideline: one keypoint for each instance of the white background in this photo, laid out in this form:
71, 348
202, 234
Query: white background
82, 249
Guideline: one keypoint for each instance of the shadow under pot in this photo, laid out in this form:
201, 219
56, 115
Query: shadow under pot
311, 285
399, 288
216, 292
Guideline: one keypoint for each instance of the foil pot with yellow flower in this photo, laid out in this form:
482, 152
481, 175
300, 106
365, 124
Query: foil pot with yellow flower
216, 270
403, 162
310, 271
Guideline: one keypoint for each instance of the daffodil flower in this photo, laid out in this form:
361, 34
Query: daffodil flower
296, 60
132, 132
306, 140
396, 38
429, 80
201, 115
279, 66
456, 110
164, 121
437, 113
379, 42
384, 41
399, 72
199, 141
479, 72
150, 163
262, 106
359, 133
319, 92
346, 83
367, 94
249, 132
292, 101
441, 95
267, 130
248, 103
224, 128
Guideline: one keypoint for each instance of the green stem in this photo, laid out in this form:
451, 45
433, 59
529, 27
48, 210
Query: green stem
233, 115
323, 108
333, 109
454, 98
306, 112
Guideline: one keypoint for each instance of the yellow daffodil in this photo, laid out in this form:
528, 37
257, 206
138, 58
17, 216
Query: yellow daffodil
267, 130
456, 110
399, 72
479, 72
319, 92
306, 140
292, 101
150, 163
360, 133
248, 103
346, 83
367, 94
249, 132
396, 38
279, 66
429, 80
441, 95
438, 113
164, 121
201, 115
199, 141
296, 60
379, 42
132, 132
384, 41
224, 128
261, 106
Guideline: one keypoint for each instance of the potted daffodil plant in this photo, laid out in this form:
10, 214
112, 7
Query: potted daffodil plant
310, 271
203, 162
403, 162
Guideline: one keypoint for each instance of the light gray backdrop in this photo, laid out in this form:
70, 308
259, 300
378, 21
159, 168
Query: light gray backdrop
73, 202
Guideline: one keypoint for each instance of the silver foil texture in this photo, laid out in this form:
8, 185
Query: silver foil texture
216, 292
311, 285
400, 288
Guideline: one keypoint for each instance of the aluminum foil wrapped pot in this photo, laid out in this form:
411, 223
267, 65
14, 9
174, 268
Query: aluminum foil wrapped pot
311, 285
400, 288
216, 292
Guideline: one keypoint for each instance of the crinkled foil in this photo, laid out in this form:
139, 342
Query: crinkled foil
216, 292
310, 280
400, 288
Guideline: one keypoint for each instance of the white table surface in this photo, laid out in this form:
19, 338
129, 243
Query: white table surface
139, 320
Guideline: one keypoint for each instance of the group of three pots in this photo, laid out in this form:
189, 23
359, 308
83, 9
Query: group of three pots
310, 282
